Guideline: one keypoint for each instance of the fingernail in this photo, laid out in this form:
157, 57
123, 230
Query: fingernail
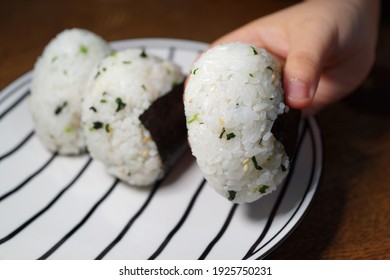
298, 90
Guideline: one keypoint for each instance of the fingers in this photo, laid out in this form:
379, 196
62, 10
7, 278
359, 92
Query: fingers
310, 44
262, 33
305, 44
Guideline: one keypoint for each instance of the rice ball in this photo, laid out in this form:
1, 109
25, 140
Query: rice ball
233, 96
57, 88
122, 87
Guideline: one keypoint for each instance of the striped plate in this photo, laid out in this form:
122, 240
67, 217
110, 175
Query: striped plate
57, 207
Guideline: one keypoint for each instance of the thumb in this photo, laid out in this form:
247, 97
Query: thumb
310, 45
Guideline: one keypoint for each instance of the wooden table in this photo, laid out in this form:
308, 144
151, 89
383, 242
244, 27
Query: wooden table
350, 215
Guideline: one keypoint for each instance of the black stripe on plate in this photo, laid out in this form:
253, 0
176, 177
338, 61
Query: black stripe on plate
220, 233
80, 224
13, 105
18, 146
29, 178
278, 202
10, 92
314, 158
47, 207
171, 53
180, 223
129, 223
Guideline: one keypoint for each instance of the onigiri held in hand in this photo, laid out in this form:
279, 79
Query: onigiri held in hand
232, 99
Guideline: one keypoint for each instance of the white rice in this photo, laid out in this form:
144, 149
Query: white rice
233, 96
58, 83
122, 87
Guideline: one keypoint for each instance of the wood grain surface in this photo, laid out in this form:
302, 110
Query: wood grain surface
350, 215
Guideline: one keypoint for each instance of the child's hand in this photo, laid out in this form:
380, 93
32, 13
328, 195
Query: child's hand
327, 47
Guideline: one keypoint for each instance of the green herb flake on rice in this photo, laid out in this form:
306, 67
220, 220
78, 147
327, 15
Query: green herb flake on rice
83, 49
232, 195
120, 104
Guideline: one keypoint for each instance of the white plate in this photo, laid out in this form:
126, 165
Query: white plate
60, 207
